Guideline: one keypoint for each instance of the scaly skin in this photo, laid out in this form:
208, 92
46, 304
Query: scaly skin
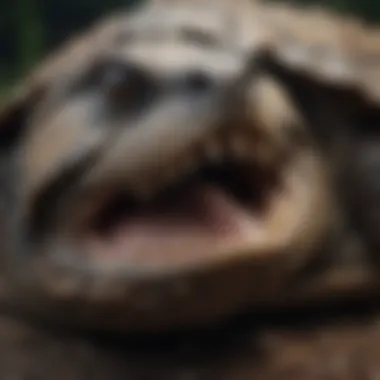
130, 106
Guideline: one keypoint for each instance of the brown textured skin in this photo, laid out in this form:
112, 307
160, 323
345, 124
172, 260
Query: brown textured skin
276, 347
341, 349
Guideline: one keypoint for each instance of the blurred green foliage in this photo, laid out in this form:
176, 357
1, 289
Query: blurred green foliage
31, 28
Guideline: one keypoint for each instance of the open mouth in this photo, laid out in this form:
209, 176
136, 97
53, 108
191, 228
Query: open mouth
190, 201
208, 204
197, 212
220, 206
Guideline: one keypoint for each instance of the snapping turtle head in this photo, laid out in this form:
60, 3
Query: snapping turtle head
159, 176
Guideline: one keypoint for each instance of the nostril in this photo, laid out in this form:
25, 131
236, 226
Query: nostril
126, 84
197, 81
115, 77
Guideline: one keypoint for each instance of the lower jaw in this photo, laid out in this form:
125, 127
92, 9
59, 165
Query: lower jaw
153, 302
214, 300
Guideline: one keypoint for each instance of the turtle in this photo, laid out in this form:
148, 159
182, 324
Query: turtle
238, 139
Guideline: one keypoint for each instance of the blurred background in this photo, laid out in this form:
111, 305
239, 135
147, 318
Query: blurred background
29, 29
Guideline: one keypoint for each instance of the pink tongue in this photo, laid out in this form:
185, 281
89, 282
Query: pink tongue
200, 222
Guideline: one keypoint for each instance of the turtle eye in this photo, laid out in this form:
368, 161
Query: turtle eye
123, 85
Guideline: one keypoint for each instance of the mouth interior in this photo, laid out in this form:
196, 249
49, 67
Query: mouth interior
217, 205
241, 185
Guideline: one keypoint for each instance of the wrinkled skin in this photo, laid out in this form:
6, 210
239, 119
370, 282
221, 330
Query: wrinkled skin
195, 171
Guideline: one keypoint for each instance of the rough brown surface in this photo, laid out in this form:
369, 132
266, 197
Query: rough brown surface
338, 350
